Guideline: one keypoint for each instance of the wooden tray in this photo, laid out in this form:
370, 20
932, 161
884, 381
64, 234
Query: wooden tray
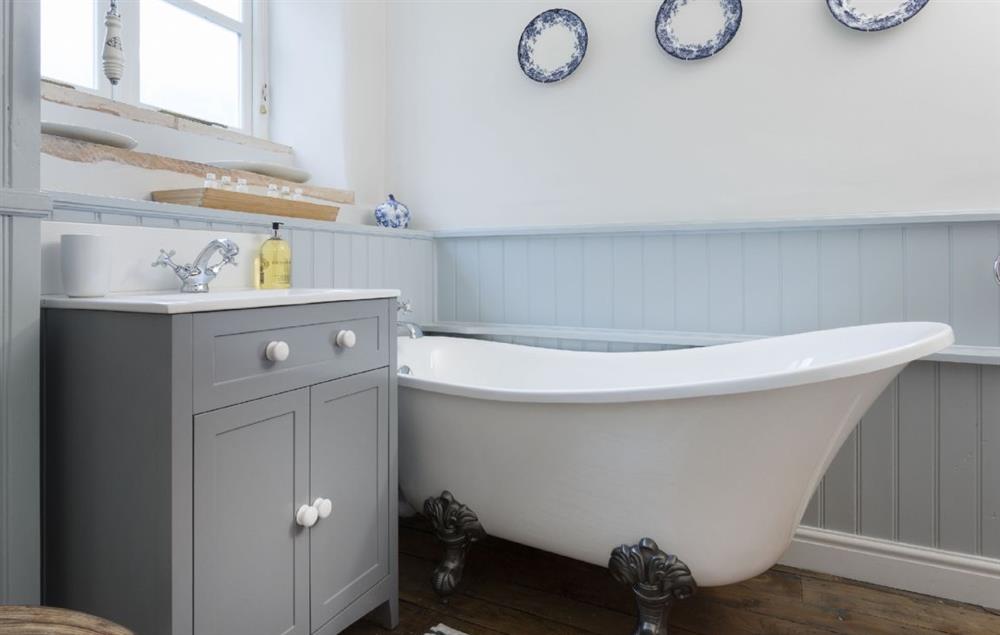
244, 202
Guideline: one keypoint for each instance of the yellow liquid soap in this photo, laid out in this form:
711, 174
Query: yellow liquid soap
275, 269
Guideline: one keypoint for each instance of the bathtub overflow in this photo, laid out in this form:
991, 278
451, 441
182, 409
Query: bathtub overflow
405, 370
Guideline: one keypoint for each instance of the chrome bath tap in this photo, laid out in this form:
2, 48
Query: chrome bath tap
195, 277
412, 328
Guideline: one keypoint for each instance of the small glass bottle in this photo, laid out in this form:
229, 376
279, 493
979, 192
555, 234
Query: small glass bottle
241, 185
272, 190
297, 194
275, 269
286, 192
227, 182
210, 182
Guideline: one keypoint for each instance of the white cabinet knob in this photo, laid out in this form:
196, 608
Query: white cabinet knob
306, 516
277, 351
324, 506
346, 339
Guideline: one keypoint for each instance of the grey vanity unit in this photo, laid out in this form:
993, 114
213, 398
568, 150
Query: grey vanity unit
221, 472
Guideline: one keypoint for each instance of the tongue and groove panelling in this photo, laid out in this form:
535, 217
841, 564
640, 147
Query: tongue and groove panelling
728, 282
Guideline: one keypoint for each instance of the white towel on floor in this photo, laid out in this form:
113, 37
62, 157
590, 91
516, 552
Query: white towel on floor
441, 629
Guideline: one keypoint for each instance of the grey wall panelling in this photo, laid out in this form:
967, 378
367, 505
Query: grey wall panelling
21, 207
20, 549
924, 465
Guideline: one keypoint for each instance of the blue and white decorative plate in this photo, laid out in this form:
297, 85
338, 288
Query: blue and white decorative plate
393, 214
552, 45
850, 15
676, 30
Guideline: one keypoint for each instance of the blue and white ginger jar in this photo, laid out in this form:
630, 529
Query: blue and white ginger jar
392, 213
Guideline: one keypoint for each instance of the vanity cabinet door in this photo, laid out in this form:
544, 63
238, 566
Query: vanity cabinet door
250, 557
349, 454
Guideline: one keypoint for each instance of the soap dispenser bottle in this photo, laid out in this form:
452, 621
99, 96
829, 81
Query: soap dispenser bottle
275, 268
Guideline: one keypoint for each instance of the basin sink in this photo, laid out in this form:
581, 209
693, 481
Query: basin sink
152, 302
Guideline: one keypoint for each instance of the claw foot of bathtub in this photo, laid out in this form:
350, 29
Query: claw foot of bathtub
457, 527
657, 579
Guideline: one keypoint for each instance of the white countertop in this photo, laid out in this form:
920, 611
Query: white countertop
222, 300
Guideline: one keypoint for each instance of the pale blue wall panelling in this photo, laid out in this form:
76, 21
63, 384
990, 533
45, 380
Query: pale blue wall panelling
598, 281
491, 285
755, 282
761, 277
542, 281
628, 283
975, 312
958, 458
919, 429
658, 283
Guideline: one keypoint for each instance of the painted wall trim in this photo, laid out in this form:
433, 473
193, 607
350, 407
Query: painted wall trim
67, 202
983, 355
24, 203
935, 572
854, 220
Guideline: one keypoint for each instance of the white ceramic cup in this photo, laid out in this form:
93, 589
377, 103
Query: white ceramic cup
86, 265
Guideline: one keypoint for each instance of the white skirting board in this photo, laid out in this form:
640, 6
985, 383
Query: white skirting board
943, 574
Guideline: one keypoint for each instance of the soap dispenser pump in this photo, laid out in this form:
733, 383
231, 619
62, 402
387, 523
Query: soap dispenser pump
275, 268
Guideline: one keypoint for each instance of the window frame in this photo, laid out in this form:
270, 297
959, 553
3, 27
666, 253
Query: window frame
252, 31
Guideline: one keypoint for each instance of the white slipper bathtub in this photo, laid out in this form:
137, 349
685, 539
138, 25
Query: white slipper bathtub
712, 452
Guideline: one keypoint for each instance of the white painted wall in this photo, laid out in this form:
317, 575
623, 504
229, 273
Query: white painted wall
798, 117
328, 92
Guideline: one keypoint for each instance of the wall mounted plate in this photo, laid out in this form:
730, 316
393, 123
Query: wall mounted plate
552, 46
686, 35
850, 14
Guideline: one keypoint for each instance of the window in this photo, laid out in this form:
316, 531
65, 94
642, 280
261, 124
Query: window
68, 42
194, 58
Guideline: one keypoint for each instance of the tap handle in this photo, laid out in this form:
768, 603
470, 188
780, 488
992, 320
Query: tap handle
164, 259
404, 306
226, 260
996, 269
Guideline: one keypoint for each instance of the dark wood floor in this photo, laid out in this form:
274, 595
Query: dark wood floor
515, 590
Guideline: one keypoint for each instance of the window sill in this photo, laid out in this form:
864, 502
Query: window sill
67, 96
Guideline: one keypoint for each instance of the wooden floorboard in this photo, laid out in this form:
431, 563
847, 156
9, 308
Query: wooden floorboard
510, 589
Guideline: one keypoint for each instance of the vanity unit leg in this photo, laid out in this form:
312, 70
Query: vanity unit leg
457, 527
386, 614
657, 579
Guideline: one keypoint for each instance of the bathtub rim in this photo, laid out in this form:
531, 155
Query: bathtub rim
940, 337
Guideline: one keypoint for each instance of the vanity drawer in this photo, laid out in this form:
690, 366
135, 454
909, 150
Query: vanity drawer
231, 362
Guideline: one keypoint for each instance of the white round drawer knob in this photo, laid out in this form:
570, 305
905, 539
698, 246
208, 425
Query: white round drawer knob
346, 339
306, 516
277, 351
324, 506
